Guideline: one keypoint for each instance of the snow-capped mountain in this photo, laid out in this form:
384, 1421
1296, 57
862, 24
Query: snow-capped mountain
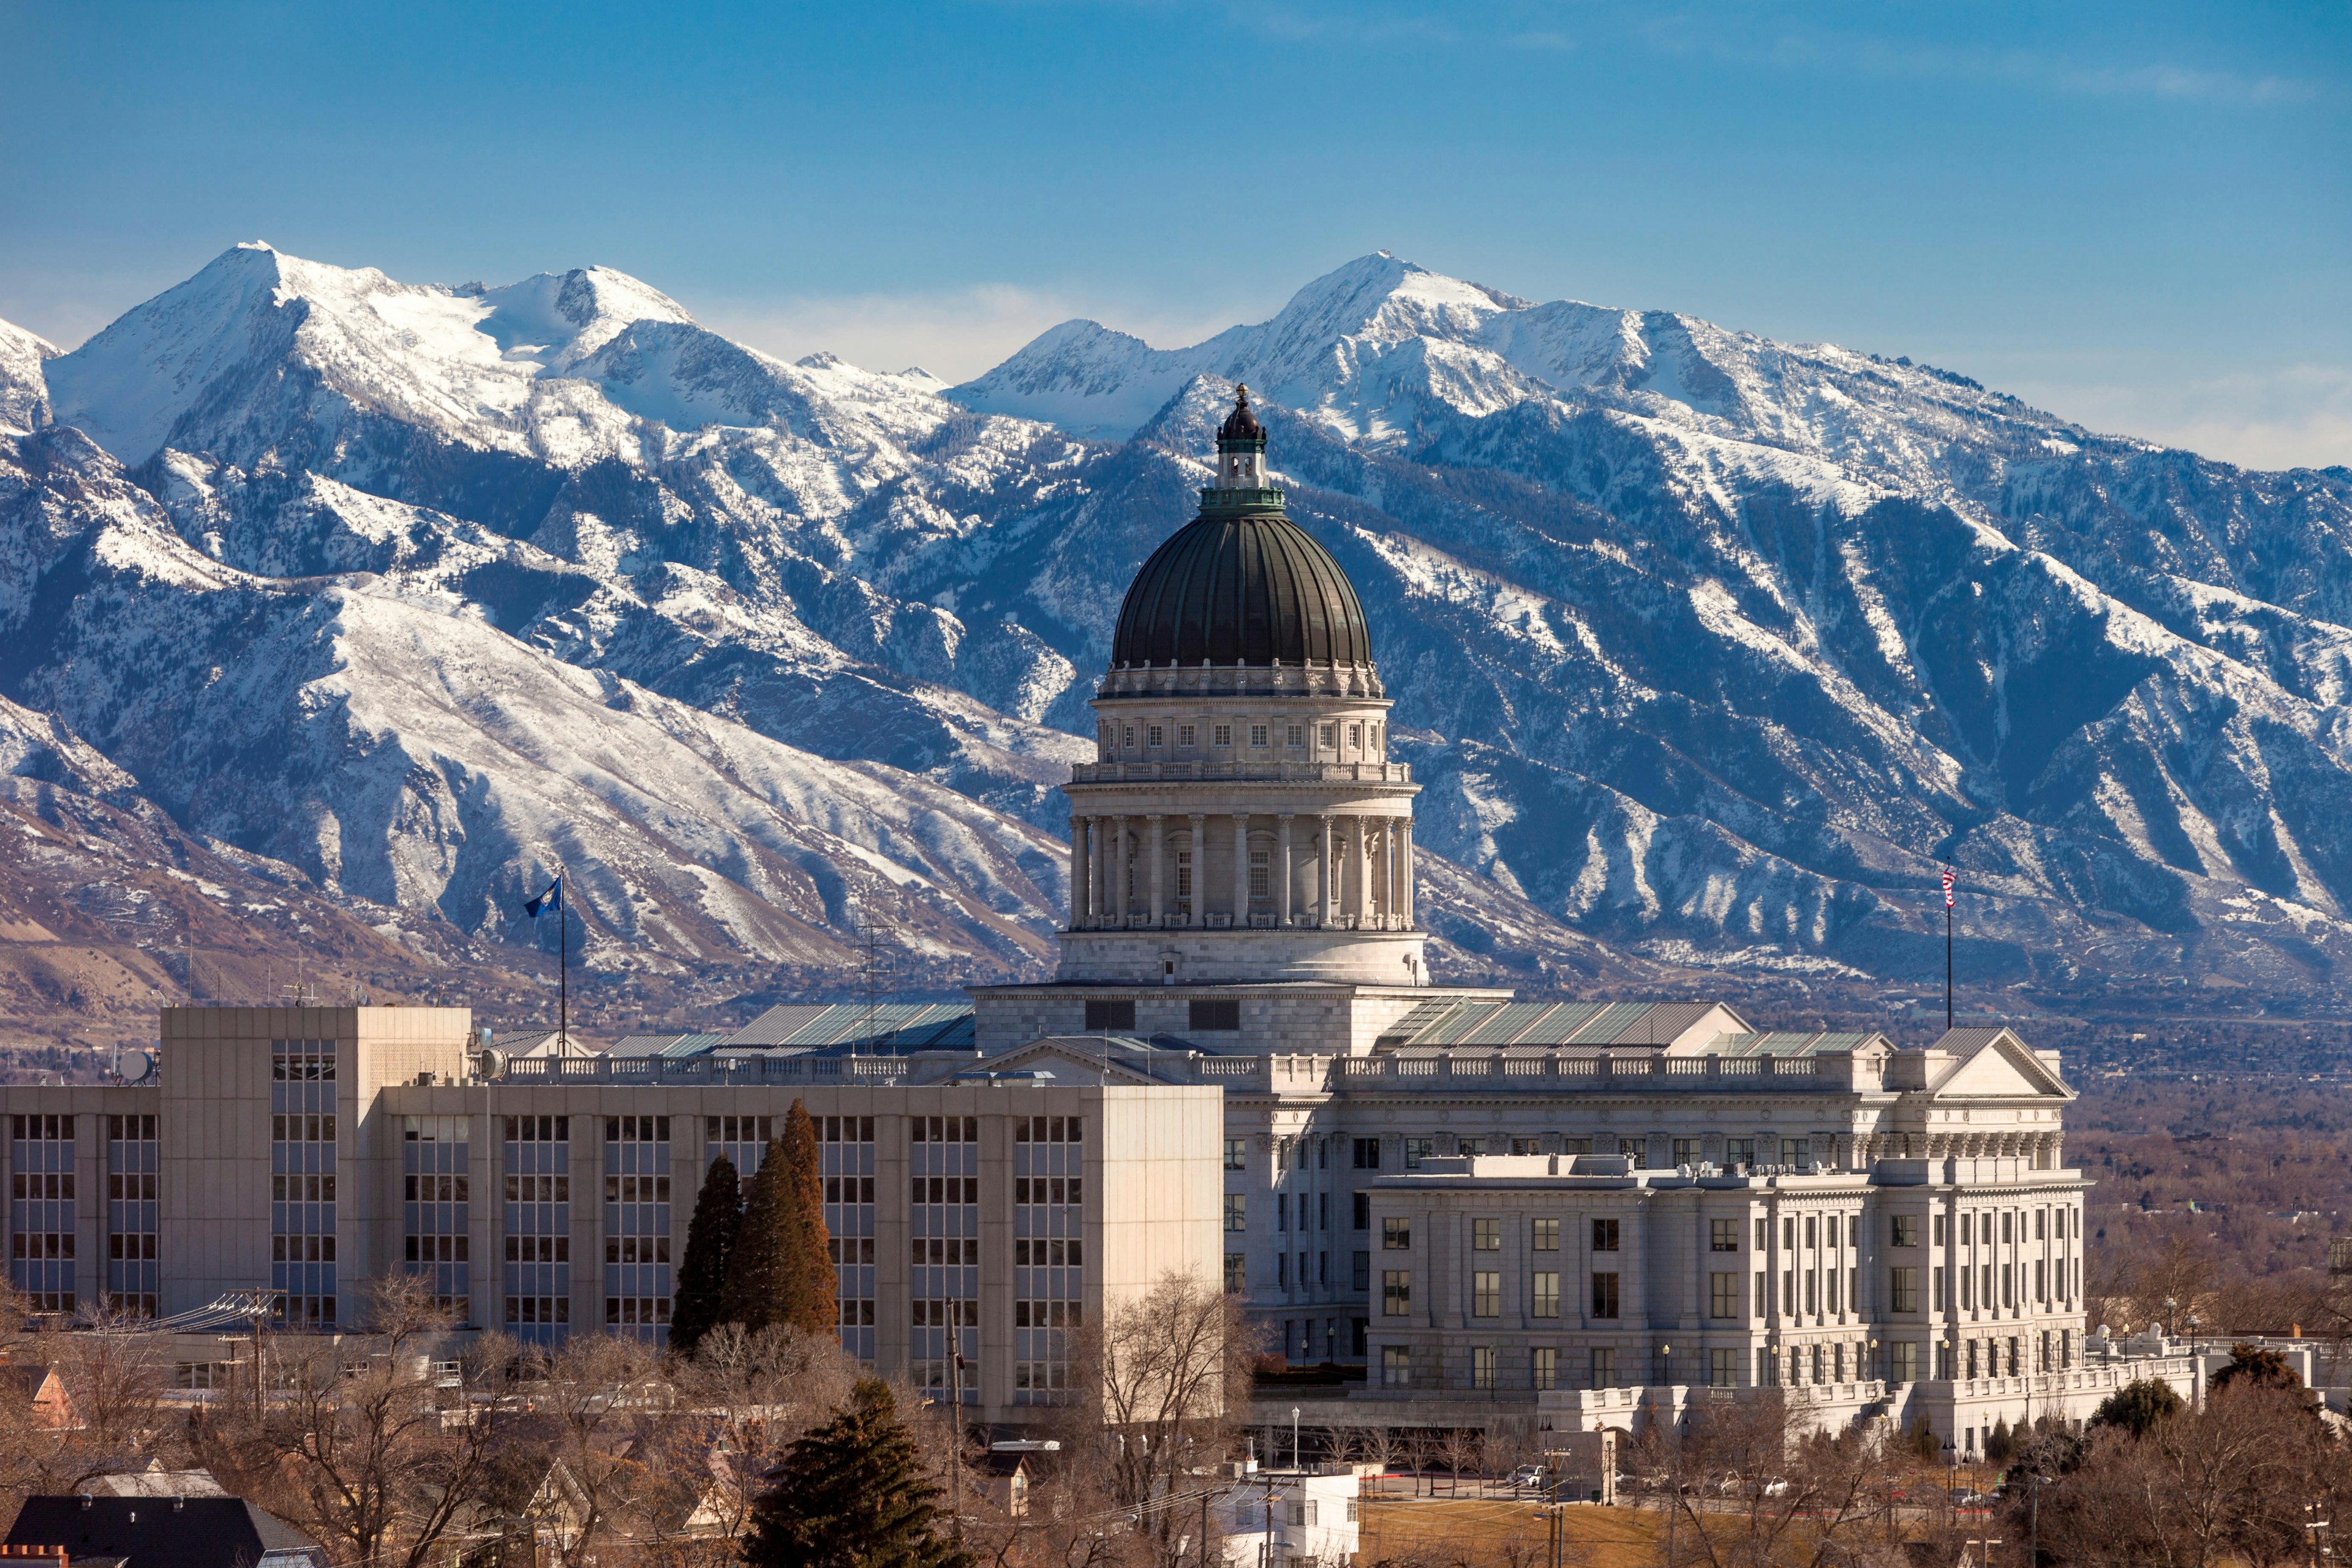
1707, 647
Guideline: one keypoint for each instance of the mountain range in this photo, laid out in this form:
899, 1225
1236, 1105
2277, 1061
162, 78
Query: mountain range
375, 602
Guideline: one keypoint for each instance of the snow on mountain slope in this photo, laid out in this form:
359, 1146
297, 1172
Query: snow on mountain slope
1709, 646
24, 394
419, 760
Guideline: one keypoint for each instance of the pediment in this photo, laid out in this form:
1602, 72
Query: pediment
1070, 1061
2002, 1068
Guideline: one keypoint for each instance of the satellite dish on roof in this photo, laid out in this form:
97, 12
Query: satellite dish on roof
489, 1063
135, 1067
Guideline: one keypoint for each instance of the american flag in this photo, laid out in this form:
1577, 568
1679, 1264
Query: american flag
1948, 887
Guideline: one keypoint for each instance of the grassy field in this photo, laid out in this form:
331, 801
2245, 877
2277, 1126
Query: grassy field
1499, 1533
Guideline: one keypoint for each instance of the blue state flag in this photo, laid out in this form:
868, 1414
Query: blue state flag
554, 895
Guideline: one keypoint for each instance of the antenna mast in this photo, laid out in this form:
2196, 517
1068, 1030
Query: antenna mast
877, 961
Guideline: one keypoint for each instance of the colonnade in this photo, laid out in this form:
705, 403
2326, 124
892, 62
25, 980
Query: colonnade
1123, 872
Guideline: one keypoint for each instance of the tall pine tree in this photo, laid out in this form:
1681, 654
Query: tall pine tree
811, 1281
709, 1247
781, 1270
851, 1494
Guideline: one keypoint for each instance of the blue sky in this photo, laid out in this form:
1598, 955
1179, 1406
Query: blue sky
2138, 215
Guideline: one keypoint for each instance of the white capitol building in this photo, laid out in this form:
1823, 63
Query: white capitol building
1556, 1215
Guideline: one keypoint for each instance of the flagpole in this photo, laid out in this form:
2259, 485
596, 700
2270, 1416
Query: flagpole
1947, 950
563, 963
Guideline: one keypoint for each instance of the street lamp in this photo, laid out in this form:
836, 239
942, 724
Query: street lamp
1295, 1463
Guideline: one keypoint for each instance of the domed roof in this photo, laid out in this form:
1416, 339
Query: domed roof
1241, 424
1241, 590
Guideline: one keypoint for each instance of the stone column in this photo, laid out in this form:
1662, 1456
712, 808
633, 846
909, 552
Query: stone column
1240, 871
1405, 855
1078, 872
1155, 845
1099, 872
1387, 873
1200, 872
1329, 872
1122, 874
1282, 906
1359, 850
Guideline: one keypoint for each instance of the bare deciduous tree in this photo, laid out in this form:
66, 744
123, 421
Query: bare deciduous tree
354, 1437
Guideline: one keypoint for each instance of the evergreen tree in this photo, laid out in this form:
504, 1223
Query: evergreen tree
811, 1282
851, 1494
780, 1270
710, 1245
2137, 1407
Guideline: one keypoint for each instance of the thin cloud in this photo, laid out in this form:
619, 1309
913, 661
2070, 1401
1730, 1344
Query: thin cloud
955, 334
1863, 54
2290, 416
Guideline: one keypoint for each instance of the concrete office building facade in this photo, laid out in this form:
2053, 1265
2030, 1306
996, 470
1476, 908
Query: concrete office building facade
303, 1151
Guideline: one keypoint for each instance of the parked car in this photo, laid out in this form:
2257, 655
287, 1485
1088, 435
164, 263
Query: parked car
1528, 1476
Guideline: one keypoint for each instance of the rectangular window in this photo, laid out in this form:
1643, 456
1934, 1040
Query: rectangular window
1604, 1295
1934, 1286
1111, 1017
1740, 1150
1723, 1236
1759, 1291
1236, 1211
1236, 1273
1258, 736
1261, 875
1796, 1152
1329, 737
1525, 1146
1236, 1153
1155, 736
1486, 1293
1546, 1303
1416, 1150
1187, 735
1482, 1366
1904, 1228
1940, 1230
1396, 1366
1221, 735
2006, 1215
2041, 1281
1396, 1232
1546, 1236
1723, 1295
1605, 1367
1485, 1235
1904, 1293
1282, 1269
1543, 1367
1722, 1368
1216, 1015
1367, 1154
1604, 1236
1129, 736
1636, 1151
1363, 1211
1903, 1361
1295, 735
1355, 737
1685, 1151
1362, 1278
1396, 1292
1812, 1231
1763, 1235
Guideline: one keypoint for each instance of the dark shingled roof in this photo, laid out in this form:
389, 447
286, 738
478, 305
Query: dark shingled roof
1245, 590
164, 1532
